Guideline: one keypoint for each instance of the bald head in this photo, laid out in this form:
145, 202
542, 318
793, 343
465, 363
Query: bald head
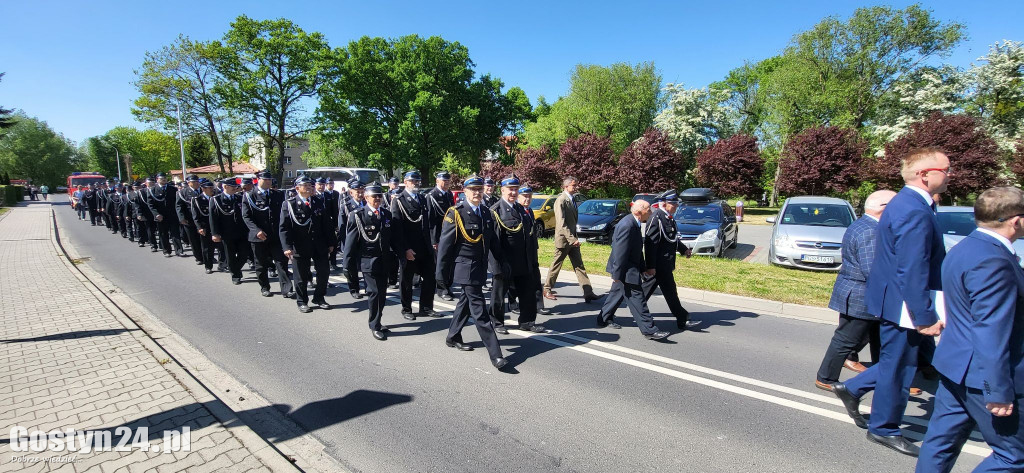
876, 202
641, 209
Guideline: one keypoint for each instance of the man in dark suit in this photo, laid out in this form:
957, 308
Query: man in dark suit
353, 201
110, 201
525, 199
143, 216
89, 199
307, 240
981, 356
389, 195
514, 229
906, 270
200, 208
411, 218
261, 212
160, 199
627, 268
228, 229
660, 248
332, 202
370, 245
183, 209
439, 200
467, 241
849, 290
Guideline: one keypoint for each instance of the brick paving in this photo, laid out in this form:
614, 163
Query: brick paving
67, 362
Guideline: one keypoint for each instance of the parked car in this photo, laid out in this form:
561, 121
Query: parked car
544, 211
955, 223
808, 232
705, 224
597, 218
649, 198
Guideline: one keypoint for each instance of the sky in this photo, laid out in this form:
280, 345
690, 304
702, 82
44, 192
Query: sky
72, 63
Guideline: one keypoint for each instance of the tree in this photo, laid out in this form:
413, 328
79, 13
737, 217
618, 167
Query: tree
99, 155
186, 73
694, 118
6, 119
269, 67
413, 102
973, 154
32, 150
618, 102
998, 95
536, 169
589, 158
327, 150
149, 151
199, 151
915, 97
1017, 163
650, 163
732, 167
821, 161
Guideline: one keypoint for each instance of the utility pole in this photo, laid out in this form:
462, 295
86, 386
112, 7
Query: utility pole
181, 142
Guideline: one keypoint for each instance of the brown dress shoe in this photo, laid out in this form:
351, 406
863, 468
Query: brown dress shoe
854, 366
822, 386
549, 296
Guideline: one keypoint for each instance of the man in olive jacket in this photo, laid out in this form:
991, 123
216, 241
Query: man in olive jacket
566, 243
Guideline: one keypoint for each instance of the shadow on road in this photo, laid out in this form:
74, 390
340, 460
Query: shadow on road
71, 335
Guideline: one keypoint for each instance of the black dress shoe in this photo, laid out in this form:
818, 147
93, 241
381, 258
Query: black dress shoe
543, 311
322, 305
289, 295
501, 329
209, 270
265, 293
393, 286
532, 327
609, 324
236, 281
380, 335
896, 442
459, 346
408, 315
499, 362
446, 297
357, 295
851, 403
153, 250
199, 263
334, 267
431, 313
304, 309
657, 335
590, 297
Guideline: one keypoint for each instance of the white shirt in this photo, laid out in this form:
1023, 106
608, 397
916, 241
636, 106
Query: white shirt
373, 209
1002, 239
407, 191
567, 194
924, 195
872, 217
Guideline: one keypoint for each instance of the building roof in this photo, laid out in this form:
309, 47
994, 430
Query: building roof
239, 167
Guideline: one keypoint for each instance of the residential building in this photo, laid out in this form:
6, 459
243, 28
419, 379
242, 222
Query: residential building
292, 160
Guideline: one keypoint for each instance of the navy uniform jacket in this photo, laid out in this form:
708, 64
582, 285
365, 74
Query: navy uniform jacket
226, 216
626, 261
126, 209
200, 207
139, 206
160, 200
514, 229
262, 213
660, 242
490, 200
412, 220
908, 261
438, 203
101, 198
110, 202
371, 241
305, 229
90, 199
848, 293
983, 341
332, 200
183, 205
532, 245
460, 260
348, 205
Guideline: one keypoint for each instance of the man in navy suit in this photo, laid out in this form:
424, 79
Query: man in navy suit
980, 354
625, 265
907, 268
848, 293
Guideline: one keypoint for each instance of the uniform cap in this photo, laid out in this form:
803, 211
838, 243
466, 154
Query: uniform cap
526, 190
321, 180
264, 175
473, 181
246, 180
443, 175
511, 180
393, 180
206, 183
303, 179
229, 181
488, 181
668, 196
373, 189
150, 179
412, 176
160, 174
355, 184
192, 178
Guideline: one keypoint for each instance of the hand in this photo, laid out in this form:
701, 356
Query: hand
931, 330
159, 218
330, 249
261, 235
649, 272
202, 232
435, 247
216, 238
410, 255
615, 280
576, 243
999, 409
289, 253
184, 222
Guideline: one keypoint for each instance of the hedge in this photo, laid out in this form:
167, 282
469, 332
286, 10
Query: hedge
11, 194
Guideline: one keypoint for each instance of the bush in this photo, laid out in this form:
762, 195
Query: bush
11, 194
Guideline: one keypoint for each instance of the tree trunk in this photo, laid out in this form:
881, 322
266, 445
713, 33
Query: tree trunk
773, 200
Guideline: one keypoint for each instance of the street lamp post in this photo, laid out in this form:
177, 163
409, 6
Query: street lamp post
118, 154
181, 142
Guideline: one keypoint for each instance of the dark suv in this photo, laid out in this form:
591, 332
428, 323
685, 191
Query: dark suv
705, 224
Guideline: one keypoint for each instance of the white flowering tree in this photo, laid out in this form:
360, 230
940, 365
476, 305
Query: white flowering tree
915, 97
695, 118
997, 95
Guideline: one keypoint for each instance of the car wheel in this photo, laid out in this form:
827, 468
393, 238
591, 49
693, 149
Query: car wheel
538, 228
721, 250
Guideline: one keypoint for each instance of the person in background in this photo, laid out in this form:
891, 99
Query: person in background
77, 204
45, 190
567, 243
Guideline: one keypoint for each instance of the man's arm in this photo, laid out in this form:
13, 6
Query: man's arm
247, 217
353, 241
446, 249
652, 237
913, 247
992, 287
284, 231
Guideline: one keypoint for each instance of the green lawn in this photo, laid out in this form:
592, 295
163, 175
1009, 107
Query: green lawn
756, 216
723, 275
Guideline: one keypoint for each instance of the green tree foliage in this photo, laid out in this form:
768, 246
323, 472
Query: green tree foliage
414, 102
694, 118
199, 151
618, 102
6, 118
148, 151
32, 150
327, 150
998, 95
98, 155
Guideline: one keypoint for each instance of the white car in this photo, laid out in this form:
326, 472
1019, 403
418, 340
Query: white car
808, 232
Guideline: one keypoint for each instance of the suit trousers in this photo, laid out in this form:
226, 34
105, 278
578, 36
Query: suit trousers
142, 228
472, 303
634, 296
269, 254
527, 307
94, 216
425, 268
958, 410
890, 378
235, 249
302, 276
205, 250
152, 228
163, 229
848, 338
376, 296
193, 241
666, 281
576, 260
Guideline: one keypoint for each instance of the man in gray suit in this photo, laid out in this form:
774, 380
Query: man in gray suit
566, 243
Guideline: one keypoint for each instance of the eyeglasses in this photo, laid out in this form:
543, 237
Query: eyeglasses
944, 170
1007, 218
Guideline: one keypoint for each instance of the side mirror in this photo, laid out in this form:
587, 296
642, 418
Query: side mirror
730, 219
546, 208
770, 220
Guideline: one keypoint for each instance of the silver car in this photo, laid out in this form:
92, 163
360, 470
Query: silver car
808, 232
955, 223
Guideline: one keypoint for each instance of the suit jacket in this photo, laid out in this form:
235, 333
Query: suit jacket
660, 242
514, 229
160, 201
908, 261
460, 260
226, 217
332, 202
566, 219
90, 200
262, 214
183, 205
412, 219
983, 341
200, 207
438, 204
139, 206
848, 293
626, 261
305, 229
371, 241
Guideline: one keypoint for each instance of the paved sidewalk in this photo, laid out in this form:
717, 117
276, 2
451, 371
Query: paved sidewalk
69, 360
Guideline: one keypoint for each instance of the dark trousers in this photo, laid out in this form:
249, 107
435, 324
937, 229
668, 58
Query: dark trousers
664, 279
94, 216
352, 275
193, 241
302, 275
527, 308
205, 250
153, 228
633, 294
174, 231
163, 232
142, 228
222, 259
111, 220
268, 255
472, 303
234, 249
376, 296
958, 410
393, 271
425, 268
848, 338
890, 378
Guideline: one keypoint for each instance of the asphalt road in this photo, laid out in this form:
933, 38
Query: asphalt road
736, 394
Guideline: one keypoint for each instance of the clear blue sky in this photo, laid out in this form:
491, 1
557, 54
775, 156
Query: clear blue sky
71, 62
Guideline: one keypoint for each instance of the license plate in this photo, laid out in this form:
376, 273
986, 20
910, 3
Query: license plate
818, 259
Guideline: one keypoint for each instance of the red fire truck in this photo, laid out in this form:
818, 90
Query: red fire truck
83, 179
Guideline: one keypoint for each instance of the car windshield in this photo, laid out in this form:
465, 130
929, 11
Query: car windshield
536, 204
817, 215
367, 177
956, 223
705, 213
602, 208
85, 181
